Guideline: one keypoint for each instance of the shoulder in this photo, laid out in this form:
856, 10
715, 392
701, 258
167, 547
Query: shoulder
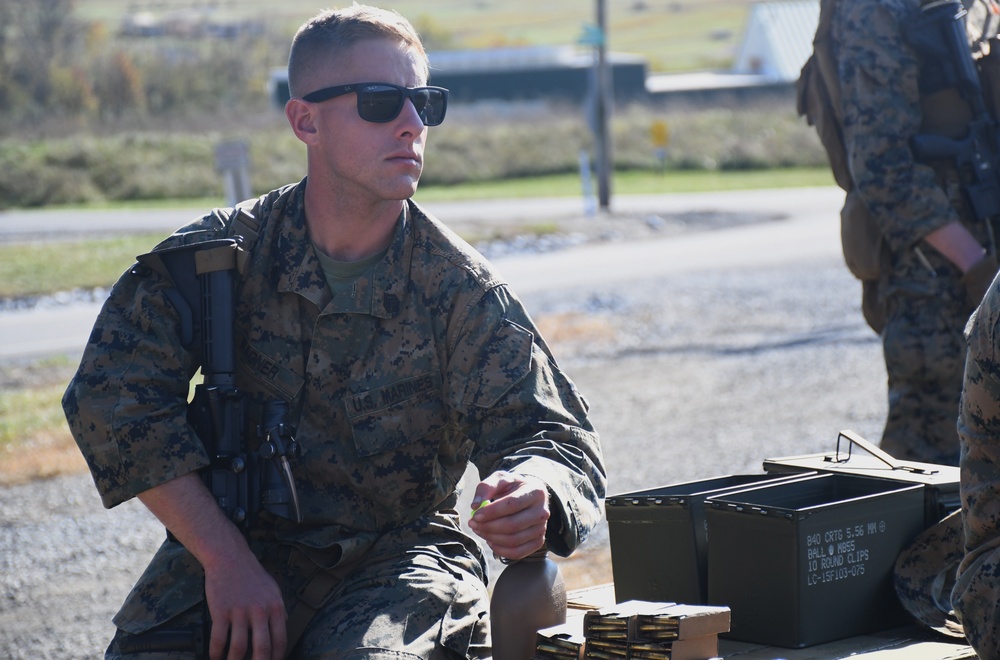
246, 219
869, 36
439, 249
865, 17
877, 9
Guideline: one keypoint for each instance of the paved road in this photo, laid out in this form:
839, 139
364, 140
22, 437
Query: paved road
805, 229
22, 225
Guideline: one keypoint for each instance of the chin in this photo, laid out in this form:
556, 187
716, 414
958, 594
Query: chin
405, 191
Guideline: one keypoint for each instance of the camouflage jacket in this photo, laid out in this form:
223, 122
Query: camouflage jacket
977, 590
432, 363
882, 109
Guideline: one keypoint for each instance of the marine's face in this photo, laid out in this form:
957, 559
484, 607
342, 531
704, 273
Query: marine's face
381, 161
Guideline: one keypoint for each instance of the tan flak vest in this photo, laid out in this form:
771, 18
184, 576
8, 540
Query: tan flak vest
944, 113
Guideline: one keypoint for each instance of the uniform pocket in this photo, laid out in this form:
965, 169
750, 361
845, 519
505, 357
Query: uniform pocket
503, 362
171, 584
396, 414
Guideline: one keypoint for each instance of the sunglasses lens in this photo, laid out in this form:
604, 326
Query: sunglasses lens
382, 103
430, 104
379, 103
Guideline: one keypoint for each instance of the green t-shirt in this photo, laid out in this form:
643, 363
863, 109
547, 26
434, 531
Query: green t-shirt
341, 275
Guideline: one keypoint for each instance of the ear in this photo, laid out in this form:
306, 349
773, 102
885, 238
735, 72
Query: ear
302, 118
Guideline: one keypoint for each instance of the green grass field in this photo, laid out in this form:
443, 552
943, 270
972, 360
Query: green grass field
675, 35
47, 267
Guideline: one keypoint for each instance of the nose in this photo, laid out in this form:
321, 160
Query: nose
409, 119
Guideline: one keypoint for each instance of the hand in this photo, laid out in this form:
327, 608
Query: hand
246, 608
513, 523
243, 599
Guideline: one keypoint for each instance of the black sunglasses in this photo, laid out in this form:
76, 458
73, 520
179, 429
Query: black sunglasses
382, 102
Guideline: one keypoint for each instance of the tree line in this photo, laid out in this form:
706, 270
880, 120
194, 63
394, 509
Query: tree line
58, 69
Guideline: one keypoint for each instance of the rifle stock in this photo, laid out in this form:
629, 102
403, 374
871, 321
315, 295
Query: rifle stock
243, 480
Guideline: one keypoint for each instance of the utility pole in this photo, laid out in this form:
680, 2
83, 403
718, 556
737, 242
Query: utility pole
603, 112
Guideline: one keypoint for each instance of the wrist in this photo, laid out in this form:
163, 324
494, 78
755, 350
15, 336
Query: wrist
221, 547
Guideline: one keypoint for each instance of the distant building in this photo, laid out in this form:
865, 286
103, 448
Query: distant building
778, 39
187, 23
564, 73
515, 74
776, 43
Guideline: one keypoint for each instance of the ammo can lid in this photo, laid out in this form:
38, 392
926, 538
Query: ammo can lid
869, 462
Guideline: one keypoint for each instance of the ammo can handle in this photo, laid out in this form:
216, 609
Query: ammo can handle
855, 439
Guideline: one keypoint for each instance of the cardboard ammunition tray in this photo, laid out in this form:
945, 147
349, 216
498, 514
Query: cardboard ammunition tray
636, 630
941, 482
807, 561
659, 538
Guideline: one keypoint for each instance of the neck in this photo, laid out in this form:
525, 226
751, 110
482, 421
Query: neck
350, 232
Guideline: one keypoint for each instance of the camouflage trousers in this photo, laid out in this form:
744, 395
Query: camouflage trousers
924, 350
423, 602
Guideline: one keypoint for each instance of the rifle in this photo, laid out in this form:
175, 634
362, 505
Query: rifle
938, 34
243, 480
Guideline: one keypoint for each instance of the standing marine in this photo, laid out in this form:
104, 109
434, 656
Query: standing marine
909, 230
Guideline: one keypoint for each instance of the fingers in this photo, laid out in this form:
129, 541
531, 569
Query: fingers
268, 633
262, 642
238, 641
519, 499
219, 639
247, 610
494, 487
517, 545
278, 633
514, 523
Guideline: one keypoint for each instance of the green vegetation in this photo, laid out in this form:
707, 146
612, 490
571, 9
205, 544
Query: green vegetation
30, 411
34, 439
633, 182
475, 145
675, 35
41, 268
67, 66
89, 114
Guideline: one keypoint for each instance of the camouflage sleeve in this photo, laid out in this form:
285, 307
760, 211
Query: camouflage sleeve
126, 405
976, 596
881, 106
526, 417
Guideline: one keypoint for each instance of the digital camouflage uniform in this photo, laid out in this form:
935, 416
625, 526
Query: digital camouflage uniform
976, 596
920, 292
432, 363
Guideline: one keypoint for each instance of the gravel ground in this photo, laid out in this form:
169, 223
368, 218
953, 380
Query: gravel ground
689, 377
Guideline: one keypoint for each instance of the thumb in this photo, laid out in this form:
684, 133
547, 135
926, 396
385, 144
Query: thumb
492, 487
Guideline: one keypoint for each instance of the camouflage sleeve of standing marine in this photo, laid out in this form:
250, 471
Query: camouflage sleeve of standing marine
126, 405
881, 106
976, 596
525, 415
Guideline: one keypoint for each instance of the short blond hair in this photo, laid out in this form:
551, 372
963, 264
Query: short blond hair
330, 32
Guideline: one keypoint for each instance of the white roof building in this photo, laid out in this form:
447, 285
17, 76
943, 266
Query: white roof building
778, 39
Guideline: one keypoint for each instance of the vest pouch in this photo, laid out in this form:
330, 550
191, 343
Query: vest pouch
861, 238
817, 102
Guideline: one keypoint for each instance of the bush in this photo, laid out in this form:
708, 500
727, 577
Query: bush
475, 144
116, 117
